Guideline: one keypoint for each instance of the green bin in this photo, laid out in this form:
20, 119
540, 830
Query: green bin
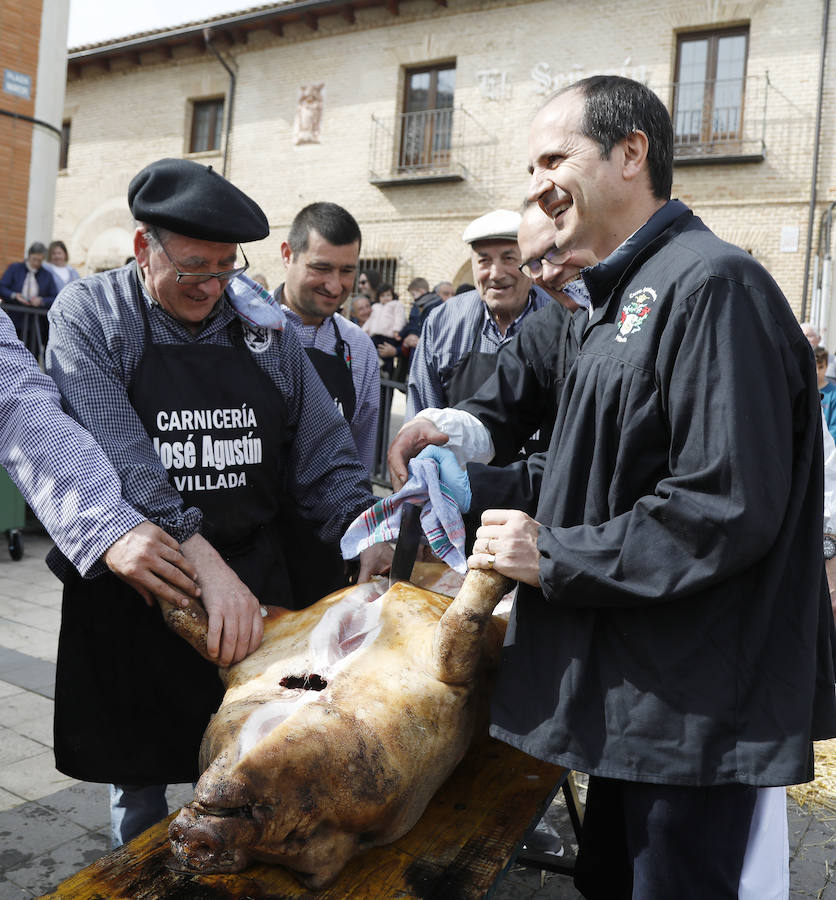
12, 514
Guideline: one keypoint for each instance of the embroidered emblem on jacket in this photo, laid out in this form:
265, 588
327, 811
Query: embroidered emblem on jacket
257, 338
634, 313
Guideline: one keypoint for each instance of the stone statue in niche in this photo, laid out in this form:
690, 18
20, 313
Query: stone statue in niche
308, 114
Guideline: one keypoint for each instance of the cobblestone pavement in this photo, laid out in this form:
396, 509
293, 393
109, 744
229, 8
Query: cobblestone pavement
52, 826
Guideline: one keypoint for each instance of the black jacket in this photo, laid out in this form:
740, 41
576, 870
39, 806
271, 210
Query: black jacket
682, 631
421, 308
522, 395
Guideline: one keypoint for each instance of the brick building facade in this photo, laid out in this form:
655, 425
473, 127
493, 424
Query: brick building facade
414, 114
33, 42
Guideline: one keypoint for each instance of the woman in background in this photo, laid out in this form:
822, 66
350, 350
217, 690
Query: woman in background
384, 326
56, 264
367, 282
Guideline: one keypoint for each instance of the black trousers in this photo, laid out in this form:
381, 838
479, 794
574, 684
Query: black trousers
663, 842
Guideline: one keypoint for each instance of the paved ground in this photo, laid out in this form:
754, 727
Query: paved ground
52, 826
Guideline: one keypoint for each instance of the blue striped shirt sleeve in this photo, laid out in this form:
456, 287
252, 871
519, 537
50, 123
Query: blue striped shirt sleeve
60, 470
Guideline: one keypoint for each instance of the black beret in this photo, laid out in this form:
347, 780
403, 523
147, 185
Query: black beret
193, 200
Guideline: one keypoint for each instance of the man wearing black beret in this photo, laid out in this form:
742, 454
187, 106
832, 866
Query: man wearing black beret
210, 411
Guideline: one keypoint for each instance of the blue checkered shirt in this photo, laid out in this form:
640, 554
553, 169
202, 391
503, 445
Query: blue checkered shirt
60, 470
365, 373
96, 342
447, 336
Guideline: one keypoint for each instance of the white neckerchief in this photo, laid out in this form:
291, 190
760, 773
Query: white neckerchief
30, 283
255, 304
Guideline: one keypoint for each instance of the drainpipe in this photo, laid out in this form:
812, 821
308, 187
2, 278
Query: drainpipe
823, 289
812, 214
207, 37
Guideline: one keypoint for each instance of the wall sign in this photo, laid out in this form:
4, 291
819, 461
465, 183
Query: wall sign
17, 83
789, 239
547, 82
493, 84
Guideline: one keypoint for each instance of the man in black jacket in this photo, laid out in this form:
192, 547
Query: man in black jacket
424, 301
520, 397
672, 633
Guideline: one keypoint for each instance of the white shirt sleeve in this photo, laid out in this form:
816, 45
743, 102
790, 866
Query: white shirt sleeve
829, 479
469, 439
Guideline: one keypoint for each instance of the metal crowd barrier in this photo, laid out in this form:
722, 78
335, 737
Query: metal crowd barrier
30, 324
387, 426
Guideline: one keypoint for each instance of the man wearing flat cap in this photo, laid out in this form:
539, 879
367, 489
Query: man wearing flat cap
209, 410
459, 342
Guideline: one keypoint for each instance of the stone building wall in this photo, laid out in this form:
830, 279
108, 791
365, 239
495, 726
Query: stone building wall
508, 56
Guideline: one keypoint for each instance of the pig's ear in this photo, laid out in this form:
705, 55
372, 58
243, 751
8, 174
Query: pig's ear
457, 642
190, 622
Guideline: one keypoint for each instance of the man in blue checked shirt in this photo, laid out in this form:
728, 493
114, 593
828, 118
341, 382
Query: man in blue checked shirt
457, 351
210, 420
320, 259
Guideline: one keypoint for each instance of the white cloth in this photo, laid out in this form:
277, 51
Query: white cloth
255, 304
829, 478
469, 440
766, 865
30, 284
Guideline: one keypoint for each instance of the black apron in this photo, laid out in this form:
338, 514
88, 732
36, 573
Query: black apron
315, 567
462, 379
132, 699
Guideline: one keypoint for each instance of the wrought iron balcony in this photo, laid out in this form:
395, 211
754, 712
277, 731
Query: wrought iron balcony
719, 121
431, 145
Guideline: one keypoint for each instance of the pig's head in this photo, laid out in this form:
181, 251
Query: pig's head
308, 796
206, 840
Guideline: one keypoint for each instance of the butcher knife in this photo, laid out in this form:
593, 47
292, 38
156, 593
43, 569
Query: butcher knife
406, 548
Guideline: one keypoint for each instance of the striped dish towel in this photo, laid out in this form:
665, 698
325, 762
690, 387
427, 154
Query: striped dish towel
441, 519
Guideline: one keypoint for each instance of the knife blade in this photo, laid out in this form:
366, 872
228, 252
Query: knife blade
406, 547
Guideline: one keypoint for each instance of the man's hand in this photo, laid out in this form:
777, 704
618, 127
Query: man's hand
150, 561
411, 341
409, 442
375, 560
507, 541
235, 623
385, 351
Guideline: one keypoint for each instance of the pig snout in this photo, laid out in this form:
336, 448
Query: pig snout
208, 843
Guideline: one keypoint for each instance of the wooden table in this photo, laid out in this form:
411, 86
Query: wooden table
469, 835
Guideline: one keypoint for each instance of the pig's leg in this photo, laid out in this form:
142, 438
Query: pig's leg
458, 636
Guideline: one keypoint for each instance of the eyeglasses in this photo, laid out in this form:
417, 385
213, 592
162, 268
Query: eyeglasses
203, 277
554, 257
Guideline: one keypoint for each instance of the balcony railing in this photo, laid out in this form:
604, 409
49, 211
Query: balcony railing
431, 145
719, 121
